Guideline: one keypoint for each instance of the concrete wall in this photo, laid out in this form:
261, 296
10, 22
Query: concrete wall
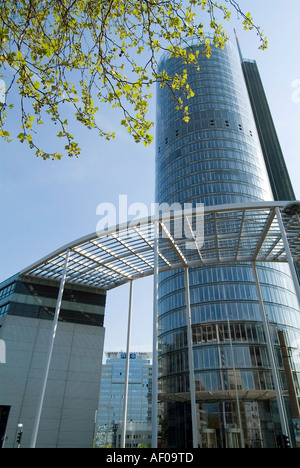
72, 393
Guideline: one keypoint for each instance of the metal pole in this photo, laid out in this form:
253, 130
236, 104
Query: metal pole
155, 341
20, 435
191, 358
288, 253
124, 427
50, 351
280, 402
235, 386
291, 384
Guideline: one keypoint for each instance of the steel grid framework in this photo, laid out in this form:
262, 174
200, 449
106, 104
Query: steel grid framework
254, 232
231, 233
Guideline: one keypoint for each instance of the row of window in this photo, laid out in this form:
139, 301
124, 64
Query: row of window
246, 380
249, 192
239, 356
51, 291
220, 78
205, 115
47, 313
4, 310
228, 99
209, 313
219, 84
216, 140
221, 70
197, 140
224, 380
192, 160
221, 96
235, 332
221, 380
207, 134
219, 73
203, 103
116, 391
237, 311
227, 292
201, 178
204, 167
113, 414
219, 175
212, 124
195, 110
215, 199
112, 402
212, 67
226, 56
195, 151
7, 291
269, 275
216, 333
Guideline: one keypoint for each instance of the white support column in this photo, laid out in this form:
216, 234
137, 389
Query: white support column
288, 253
50, 352
235, 386
125, 407
279, 398
155, 341
191, 359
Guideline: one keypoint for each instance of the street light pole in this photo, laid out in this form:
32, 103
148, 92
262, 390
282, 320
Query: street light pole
123, 437
155, 340
20, 435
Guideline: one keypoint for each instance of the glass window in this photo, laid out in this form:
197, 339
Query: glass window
7, 291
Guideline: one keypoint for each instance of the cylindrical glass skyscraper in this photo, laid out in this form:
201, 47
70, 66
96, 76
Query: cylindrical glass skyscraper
215, 159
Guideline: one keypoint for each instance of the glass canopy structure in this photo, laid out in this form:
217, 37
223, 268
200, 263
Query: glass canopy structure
232, 233
253, 232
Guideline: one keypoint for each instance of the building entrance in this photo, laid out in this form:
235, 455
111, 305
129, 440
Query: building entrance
208, 439
233, 437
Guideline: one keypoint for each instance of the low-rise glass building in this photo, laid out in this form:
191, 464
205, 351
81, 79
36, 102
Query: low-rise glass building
111, 405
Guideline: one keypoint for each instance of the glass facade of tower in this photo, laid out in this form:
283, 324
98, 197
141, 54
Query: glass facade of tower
215, 159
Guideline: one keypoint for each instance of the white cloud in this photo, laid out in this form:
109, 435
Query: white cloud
296, 93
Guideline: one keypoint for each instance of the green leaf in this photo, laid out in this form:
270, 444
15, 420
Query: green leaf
80, 53
21, 137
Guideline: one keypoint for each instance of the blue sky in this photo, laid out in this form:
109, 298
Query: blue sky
46, 204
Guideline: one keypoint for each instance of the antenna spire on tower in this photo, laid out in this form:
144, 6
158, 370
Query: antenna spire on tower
238, 45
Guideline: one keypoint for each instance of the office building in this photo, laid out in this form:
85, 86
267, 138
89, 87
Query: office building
277, 171
27, 308
111, 405
279, 178
216, 159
